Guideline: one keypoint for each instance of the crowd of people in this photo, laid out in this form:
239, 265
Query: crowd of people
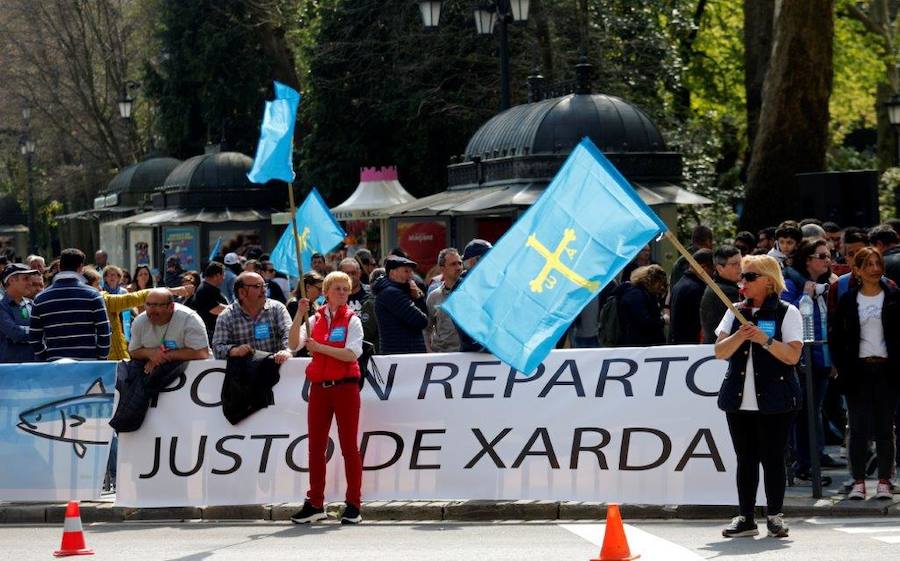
843, 279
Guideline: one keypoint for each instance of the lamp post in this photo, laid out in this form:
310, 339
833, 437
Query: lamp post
126, 107
27, 149
496, 13
893, 110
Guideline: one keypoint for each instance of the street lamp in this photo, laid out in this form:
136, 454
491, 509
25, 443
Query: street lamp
27, 149
126, 102
431, 12
893, 110
488, 15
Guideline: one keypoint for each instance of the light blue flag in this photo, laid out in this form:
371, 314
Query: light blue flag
584, 229
318, 231
215, 249
273, 153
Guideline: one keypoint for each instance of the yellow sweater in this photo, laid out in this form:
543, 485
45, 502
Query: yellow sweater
116, 304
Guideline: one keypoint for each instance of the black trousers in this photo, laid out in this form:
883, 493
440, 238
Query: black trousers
759, 438
871, 403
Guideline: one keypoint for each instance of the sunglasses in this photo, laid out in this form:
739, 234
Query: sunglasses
750, 277
821, 256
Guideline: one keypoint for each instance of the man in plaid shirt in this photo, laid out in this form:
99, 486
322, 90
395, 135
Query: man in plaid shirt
252, 322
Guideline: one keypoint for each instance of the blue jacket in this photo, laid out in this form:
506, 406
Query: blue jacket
401, 319
794, 281
14, 320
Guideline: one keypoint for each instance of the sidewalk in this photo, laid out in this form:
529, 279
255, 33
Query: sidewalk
798, 503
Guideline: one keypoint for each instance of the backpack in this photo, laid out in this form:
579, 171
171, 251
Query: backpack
610, 330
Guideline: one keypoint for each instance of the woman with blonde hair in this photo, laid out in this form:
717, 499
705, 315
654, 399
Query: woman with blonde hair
760, 392
334, 374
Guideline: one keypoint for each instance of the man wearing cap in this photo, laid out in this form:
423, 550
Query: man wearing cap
15, 314
400, 308
167, 332
252, 323
473, 252
232, 270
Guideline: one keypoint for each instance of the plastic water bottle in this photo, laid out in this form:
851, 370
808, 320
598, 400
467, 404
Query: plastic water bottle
806, 310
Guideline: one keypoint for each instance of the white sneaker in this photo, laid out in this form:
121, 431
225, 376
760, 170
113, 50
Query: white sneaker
884, 490
858, 492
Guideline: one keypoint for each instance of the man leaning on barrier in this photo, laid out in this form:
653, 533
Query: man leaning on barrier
167, 332
252, 323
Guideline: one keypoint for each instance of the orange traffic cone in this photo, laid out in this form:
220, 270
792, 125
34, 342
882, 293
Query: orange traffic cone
615, 546
73, 535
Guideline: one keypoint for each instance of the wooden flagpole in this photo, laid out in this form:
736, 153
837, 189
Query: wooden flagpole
702, 274
293, 206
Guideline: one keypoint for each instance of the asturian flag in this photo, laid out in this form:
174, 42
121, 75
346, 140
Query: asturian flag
524, 293
317, 230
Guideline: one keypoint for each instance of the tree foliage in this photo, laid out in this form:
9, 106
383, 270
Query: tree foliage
210, 79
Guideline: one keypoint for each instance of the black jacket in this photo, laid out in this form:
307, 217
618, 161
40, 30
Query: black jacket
639, 317
137, 390
845, 331
401, 320
777, 387
712, 310
248, 385
892, 264
684, 327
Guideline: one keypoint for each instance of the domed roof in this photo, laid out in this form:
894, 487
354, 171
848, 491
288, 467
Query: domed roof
216, 171
557, 125
143, 176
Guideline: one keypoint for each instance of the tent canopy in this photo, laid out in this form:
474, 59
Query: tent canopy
378, 188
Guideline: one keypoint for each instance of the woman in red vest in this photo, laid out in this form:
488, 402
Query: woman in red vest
333, 373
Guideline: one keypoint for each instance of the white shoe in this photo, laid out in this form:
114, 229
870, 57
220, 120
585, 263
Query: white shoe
884, 490
858, 492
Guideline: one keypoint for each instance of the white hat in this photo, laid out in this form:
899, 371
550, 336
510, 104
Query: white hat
232, 259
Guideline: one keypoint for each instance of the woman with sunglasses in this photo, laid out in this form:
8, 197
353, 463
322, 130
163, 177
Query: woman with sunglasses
760, 392
865, 339
811, 275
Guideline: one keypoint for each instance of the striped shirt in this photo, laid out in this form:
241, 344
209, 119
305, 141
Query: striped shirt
68, 320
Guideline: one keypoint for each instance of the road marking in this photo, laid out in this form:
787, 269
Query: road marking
838, 521
862, 526
888, 539
868, 529
649, 547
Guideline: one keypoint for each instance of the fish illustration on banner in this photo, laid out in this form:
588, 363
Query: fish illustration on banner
81, 419
54, 429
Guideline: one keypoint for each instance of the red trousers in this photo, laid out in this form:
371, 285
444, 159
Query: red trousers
342, 402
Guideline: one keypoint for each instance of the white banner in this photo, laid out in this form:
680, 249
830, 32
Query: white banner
628, 425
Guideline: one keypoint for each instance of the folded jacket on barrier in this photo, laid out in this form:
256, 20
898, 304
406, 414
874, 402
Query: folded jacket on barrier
137, 389
248, 385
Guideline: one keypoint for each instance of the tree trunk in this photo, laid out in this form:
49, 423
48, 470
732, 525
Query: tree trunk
793, 126
544, 41
759, 16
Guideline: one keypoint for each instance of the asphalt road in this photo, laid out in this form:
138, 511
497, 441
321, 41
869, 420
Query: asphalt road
822, 540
